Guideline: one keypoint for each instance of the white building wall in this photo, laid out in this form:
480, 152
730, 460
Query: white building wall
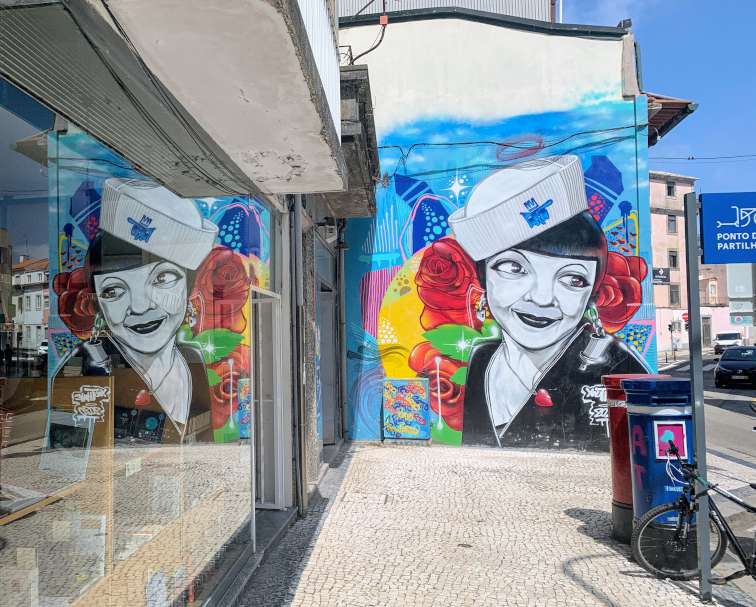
319, 24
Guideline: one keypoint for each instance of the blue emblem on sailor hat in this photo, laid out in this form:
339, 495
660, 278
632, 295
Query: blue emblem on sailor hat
141, 230
536, 214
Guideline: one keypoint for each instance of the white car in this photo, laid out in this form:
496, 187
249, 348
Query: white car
722, 341
42, 349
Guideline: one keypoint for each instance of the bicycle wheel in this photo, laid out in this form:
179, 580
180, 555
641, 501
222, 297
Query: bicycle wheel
665, 543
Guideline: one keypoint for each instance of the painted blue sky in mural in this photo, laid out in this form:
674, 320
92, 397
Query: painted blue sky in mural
422, 150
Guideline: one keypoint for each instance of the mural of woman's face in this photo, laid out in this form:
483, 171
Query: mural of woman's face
144, 306
538, 299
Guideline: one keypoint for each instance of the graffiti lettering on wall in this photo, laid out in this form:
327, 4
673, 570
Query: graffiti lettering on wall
153, 290
511, 284
90, 401
405, 408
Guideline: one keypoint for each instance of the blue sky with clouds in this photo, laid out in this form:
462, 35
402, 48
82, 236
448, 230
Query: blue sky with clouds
702, 51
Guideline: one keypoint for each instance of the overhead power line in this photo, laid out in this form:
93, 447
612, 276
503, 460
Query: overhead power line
733, 157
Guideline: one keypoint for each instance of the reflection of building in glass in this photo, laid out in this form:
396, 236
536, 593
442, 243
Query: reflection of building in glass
6, 290
31, 298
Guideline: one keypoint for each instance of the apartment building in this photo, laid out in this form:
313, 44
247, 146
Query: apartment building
667, 193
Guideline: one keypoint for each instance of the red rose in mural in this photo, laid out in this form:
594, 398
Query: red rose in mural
77, 304
620, 293
447, 284
225, 394
422, 360
220, 291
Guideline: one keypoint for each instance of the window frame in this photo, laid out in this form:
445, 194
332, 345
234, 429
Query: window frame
674, 188
673, 254
674, 288
671, 220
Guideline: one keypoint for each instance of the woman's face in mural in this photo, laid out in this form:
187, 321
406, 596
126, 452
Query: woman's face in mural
538, 299
144, 306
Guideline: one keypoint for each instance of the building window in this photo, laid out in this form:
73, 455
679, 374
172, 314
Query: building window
672, 259
47, 302
670, 188
671, 224
38, 302
27, 303
39, 335
674, 295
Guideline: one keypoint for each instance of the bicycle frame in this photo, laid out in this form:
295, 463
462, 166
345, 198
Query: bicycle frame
690, 499
749, 562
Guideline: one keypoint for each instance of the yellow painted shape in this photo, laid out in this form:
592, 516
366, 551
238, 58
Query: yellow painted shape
399, 327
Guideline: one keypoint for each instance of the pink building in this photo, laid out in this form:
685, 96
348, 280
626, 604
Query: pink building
667, 191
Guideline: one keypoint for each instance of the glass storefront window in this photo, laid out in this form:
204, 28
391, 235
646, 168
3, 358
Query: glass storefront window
126, 463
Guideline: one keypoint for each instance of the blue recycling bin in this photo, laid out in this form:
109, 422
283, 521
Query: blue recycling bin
658, 410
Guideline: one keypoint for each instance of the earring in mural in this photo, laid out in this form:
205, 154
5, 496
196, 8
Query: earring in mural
595, 352
480, 309
98, 357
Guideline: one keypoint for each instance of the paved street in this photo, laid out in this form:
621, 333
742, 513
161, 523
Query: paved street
407, 526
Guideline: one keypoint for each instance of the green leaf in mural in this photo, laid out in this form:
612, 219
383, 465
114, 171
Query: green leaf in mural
455, 341
212, 378
459, 376
215, 344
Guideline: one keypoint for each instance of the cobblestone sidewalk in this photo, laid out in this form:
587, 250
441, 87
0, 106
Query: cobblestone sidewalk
457, 526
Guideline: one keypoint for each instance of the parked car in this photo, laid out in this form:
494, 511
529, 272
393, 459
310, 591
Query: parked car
42, 349
737, 366
722, 341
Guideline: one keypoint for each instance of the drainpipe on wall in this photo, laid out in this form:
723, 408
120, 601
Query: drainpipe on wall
298, 349
341, 247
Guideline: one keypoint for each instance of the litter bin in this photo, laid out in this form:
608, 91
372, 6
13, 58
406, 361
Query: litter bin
619, 452
658, 410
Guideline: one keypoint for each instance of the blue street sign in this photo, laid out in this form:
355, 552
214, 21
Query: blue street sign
728, 227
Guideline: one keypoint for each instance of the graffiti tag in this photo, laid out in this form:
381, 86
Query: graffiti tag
90, 402
595, 397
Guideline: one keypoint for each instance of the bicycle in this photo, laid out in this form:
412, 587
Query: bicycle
664, 542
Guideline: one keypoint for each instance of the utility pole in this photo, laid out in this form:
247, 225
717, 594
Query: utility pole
692, 254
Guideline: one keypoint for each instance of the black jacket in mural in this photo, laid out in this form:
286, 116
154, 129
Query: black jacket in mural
127, 389
578, 415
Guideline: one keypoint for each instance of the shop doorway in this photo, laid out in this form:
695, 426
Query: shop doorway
329, 393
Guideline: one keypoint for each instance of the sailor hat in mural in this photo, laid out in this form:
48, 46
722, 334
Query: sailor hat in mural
154, 219
518, 202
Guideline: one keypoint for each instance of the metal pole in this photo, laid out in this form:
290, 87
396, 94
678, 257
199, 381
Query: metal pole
696, 378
